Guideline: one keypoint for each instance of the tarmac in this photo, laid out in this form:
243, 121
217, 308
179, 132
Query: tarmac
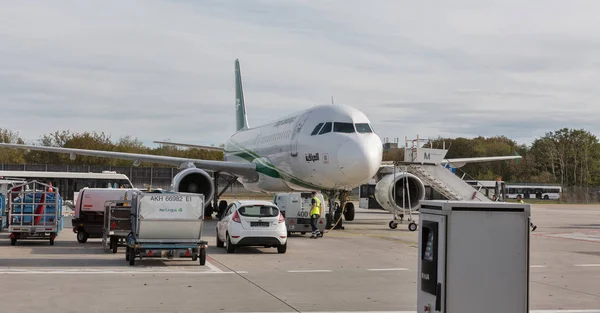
366, 267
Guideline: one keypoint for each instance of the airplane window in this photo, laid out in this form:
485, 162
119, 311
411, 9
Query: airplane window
316, 130
363, 128
343, 127
326, 128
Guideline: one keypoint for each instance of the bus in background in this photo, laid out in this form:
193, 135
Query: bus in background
544, 192
70, 183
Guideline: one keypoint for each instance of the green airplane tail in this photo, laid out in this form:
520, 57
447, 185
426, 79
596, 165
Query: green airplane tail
240, 107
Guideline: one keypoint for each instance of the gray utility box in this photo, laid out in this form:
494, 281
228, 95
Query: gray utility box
473, 257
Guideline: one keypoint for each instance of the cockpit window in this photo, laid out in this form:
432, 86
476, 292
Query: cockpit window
316, 130
343, 127
363, 128
326, 128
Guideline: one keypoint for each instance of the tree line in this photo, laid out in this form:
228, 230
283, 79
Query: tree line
95, 141
566, 157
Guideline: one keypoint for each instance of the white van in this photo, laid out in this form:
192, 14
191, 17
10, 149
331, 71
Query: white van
295, 207
88, 219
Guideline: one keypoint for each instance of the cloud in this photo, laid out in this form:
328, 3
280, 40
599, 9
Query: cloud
164, 69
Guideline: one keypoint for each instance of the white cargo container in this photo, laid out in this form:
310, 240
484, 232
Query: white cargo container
295, 207
166, 224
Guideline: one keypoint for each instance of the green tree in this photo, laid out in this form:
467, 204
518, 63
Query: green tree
7, 155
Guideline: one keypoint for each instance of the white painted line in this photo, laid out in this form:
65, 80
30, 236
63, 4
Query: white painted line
531, 311
309, 271
538, 266
212, 267
241, 272
387, 269
105, 272
564, 311
587, 264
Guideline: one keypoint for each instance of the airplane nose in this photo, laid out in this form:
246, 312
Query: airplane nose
360, 160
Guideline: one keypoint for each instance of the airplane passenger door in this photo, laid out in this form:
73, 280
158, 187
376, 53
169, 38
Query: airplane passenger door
296, 133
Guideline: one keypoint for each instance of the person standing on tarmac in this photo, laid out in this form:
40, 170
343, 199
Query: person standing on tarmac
315, 213
520, 200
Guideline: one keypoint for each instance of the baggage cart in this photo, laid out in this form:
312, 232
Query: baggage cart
35, 212
117, 224
166, 225
2, 212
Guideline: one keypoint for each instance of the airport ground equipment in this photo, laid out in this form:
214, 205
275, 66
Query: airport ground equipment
166, 225
403, 193
88, 217
473, 257
35, 212
295, 207
117, 224
402, 184
2, 212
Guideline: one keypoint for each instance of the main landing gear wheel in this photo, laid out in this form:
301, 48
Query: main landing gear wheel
349, 211
393, 224
412, 226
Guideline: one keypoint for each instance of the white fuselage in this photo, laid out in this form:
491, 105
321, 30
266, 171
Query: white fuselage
289, 158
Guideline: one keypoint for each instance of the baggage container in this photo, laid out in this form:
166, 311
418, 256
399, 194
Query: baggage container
295, 207
166, 225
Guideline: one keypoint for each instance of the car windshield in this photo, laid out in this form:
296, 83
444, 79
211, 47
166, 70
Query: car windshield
258, 211
363, 128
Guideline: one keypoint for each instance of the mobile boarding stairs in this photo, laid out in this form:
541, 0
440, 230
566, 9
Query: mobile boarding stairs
430, 166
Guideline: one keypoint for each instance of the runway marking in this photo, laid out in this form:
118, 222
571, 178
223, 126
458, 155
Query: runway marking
31, 272
387, 269
531, 311
578, 236
212, 267
538, 266
587, 265
309, 271
241, 272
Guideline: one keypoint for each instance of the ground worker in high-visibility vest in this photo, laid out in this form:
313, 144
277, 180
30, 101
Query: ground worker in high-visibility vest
315, 213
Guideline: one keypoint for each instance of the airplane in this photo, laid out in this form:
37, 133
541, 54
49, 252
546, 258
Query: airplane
329, 148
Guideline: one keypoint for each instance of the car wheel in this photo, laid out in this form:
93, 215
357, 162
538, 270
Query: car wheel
282, 248
220, 244
230, 246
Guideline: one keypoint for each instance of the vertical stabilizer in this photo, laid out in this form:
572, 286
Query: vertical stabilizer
240, 107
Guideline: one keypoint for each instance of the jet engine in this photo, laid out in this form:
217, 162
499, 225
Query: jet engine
408, 188
194, 180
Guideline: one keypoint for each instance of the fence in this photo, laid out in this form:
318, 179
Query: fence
157, 177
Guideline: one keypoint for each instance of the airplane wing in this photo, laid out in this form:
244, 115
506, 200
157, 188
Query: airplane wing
190, 145
460, 162
238, 169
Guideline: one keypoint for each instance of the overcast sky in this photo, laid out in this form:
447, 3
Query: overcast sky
165, 69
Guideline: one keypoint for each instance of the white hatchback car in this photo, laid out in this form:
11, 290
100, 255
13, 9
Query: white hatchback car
252, 223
